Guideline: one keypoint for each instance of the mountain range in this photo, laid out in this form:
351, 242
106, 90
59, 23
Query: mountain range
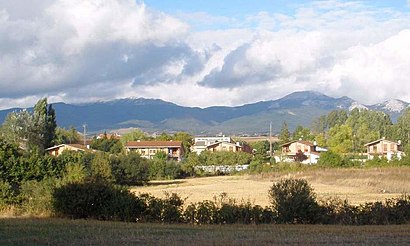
154, 115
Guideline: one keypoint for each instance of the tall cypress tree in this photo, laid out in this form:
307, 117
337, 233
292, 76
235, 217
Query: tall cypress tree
284, 135
50, 127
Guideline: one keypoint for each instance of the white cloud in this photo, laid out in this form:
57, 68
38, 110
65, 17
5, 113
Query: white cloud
85, 50
334, 47
73, 43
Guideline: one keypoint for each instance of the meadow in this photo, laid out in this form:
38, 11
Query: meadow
356, 185
18, 231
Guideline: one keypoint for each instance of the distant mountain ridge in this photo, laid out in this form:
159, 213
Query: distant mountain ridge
155, 115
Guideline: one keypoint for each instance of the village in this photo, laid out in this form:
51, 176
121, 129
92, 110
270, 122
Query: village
303, 151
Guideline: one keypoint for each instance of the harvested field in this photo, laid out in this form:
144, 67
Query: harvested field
356, 185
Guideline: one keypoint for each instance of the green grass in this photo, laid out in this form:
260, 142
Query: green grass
82, 232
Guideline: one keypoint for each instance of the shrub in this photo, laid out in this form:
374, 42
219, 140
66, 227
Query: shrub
129, 169
37, 196
337, 211
167, 210
8, 194
293, 201
205, 212
331, 159
96, 200
226, 211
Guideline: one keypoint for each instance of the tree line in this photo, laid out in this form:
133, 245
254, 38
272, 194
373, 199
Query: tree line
346, 132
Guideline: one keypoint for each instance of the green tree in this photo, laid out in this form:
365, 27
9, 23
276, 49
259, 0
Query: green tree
336, 117
105, 144
69, 136
186, 139
189, 163
50, 127
330, 159
294, 201
284, 135
401, 130
33, 132
135, 135
164, 137
319, 125
101, 168
129, 169
340, 139
16, 127
302, 133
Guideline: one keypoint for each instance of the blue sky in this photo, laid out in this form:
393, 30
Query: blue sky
242, 8
202, 53
248, 7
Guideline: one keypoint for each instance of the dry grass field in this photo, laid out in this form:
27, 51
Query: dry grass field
356, 185
89, 232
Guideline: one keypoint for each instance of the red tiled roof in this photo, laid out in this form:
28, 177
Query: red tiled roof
298, 141
78, 146
142, 144
379, 140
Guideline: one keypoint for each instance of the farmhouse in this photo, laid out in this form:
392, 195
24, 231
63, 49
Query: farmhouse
214, 144
293, 149
148, 149
58, 149
384, 148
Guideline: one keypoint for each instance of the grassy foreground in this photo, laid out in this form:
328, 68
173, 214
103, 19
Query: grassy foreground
82, 232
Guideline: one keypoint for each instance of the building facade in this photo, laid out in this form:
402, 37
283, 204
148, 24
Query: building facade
294, 149
58, 149
214, 144
148, 149
384, 148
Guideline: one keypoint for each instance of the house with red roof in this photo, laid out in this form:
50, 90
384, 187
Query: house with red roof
293, 149
384, 148
148, 149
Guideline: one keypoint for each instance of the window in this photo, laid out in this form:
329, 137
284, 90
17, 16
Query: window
385, 147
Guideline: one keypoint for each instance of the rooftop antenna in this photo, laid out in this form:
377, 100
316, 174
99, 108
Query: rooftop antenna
85, 134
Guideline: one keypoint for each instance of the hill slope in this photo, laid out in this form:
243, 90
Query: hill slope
298, 108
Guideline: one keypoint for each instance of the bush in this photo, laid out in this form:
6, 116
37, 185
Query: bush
37, 196
331, 159
293, 201
167, 210
258, 166
337, 211
96, 200
205, 212
129, 169
8, 194
226, 211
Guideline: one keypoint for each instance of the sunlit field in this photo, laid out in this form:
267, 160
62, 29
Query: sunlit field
356, 185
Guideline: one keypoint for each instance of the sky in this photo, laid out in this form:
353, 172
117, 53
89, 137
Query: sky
202, 53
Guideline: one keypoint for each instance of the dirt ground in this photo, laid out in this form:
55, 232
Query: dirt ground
357, 186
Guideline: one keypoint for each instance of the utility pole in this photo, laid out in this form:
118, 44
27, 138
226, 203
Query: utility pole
270, 140
85, 134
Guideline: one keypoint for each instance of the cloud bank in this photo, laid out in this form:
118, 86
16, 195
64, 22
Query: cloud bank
88, 50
